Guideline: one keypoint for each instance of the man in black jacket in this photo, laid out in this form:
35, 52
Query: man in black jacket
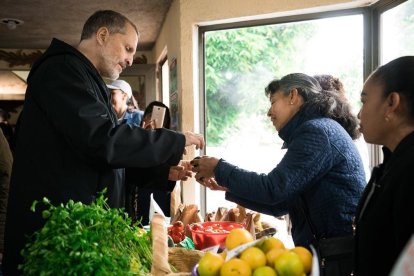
68, 143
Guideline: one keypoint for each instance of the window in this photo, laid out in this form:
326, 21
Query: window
397, 32
240, 62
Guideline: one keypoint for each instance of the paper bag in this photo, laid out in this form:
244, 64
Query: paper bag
221, 212
175, 199
232, 215
160, 264
188, 214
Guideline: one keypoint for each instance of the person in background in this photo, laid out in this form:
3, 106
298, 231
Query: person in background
69, 143
319, 180
6, 161
384, 220
133, 105
138, 198
121, 95
328, 82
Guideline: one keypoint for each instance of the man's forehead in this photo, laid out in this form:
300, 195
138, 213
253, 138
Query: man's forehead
132, 35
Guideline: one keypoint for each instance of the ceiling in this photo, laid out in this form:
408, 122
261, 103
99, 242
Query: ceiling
64, 19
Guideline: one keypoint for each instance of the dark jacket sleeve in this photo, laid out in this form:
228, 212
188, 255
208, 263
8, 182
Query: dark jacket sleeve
155, 178
79, 110
308, 158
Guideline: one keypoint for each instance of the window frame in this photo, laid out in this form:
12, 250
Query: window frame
371, 28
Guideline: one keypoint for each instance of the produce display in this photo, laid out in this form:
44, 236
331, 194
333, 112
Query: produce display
211, 233
265, 257
93, 239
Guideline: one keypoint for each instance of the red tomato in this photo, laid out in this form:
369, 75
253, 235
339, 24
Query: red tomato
179, 224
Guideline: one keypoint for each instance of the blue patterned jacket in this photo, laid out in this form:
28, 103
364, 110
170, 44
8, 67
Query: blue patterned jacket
321, 172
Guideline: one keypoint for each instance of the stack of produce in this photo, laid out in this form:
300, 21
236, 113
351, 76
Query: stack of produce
94, 239
243, 256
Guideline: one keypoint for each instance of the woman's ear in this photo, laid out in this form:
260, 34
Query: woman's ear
393, 103
294, 96
393, 100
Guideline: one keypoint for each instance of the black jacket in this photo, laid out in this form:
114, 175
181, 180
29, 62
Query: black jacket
385, 220
69, 145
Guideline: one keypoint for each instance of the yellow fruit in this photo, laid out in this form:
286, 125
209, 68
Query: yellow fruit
305, 256
289, 264
271, 243
272, 255
223, 254
254, 257
238, 237
210, 264
264, 271
235, 267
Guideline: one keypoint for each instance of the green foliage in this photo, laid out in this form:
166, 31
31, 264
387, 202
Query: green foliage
239, 64
80, 239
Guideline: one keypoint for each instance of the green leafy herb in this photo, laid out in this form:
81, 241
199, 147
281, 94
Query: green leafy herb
80, 239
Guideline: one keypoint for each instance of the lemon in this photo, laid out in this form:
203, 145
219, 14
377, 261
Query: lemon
272, 255
264, 271
289, 264
210, 264
235, 267
254, 257
271, 243
305, 257
238, 237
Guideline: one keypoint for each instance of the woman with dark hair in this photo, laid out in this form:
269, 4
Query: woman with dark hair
385, 221
330, 83
146, 117
319, 180
138, 194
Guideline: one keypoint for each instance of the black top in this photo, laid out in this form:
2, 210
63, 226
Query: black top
385, 220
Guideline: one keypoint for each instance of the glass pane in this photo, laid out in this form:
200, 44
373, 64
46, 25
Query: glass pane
241, 62
397, 32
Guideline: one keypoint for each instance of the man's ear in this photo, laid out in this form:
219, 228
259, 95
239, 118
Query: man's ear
102, 35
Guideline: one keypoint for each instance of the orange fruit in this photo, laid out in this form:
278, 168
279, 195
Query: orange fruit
272, 255
235, 267
238, 237
289, 264
271, 243
264, 271
254, 257
305, 256
210, 264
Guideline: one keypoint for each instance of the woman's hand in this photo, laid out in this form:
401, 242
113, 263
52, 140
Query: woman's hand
212, 184
148, 124
204, 167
